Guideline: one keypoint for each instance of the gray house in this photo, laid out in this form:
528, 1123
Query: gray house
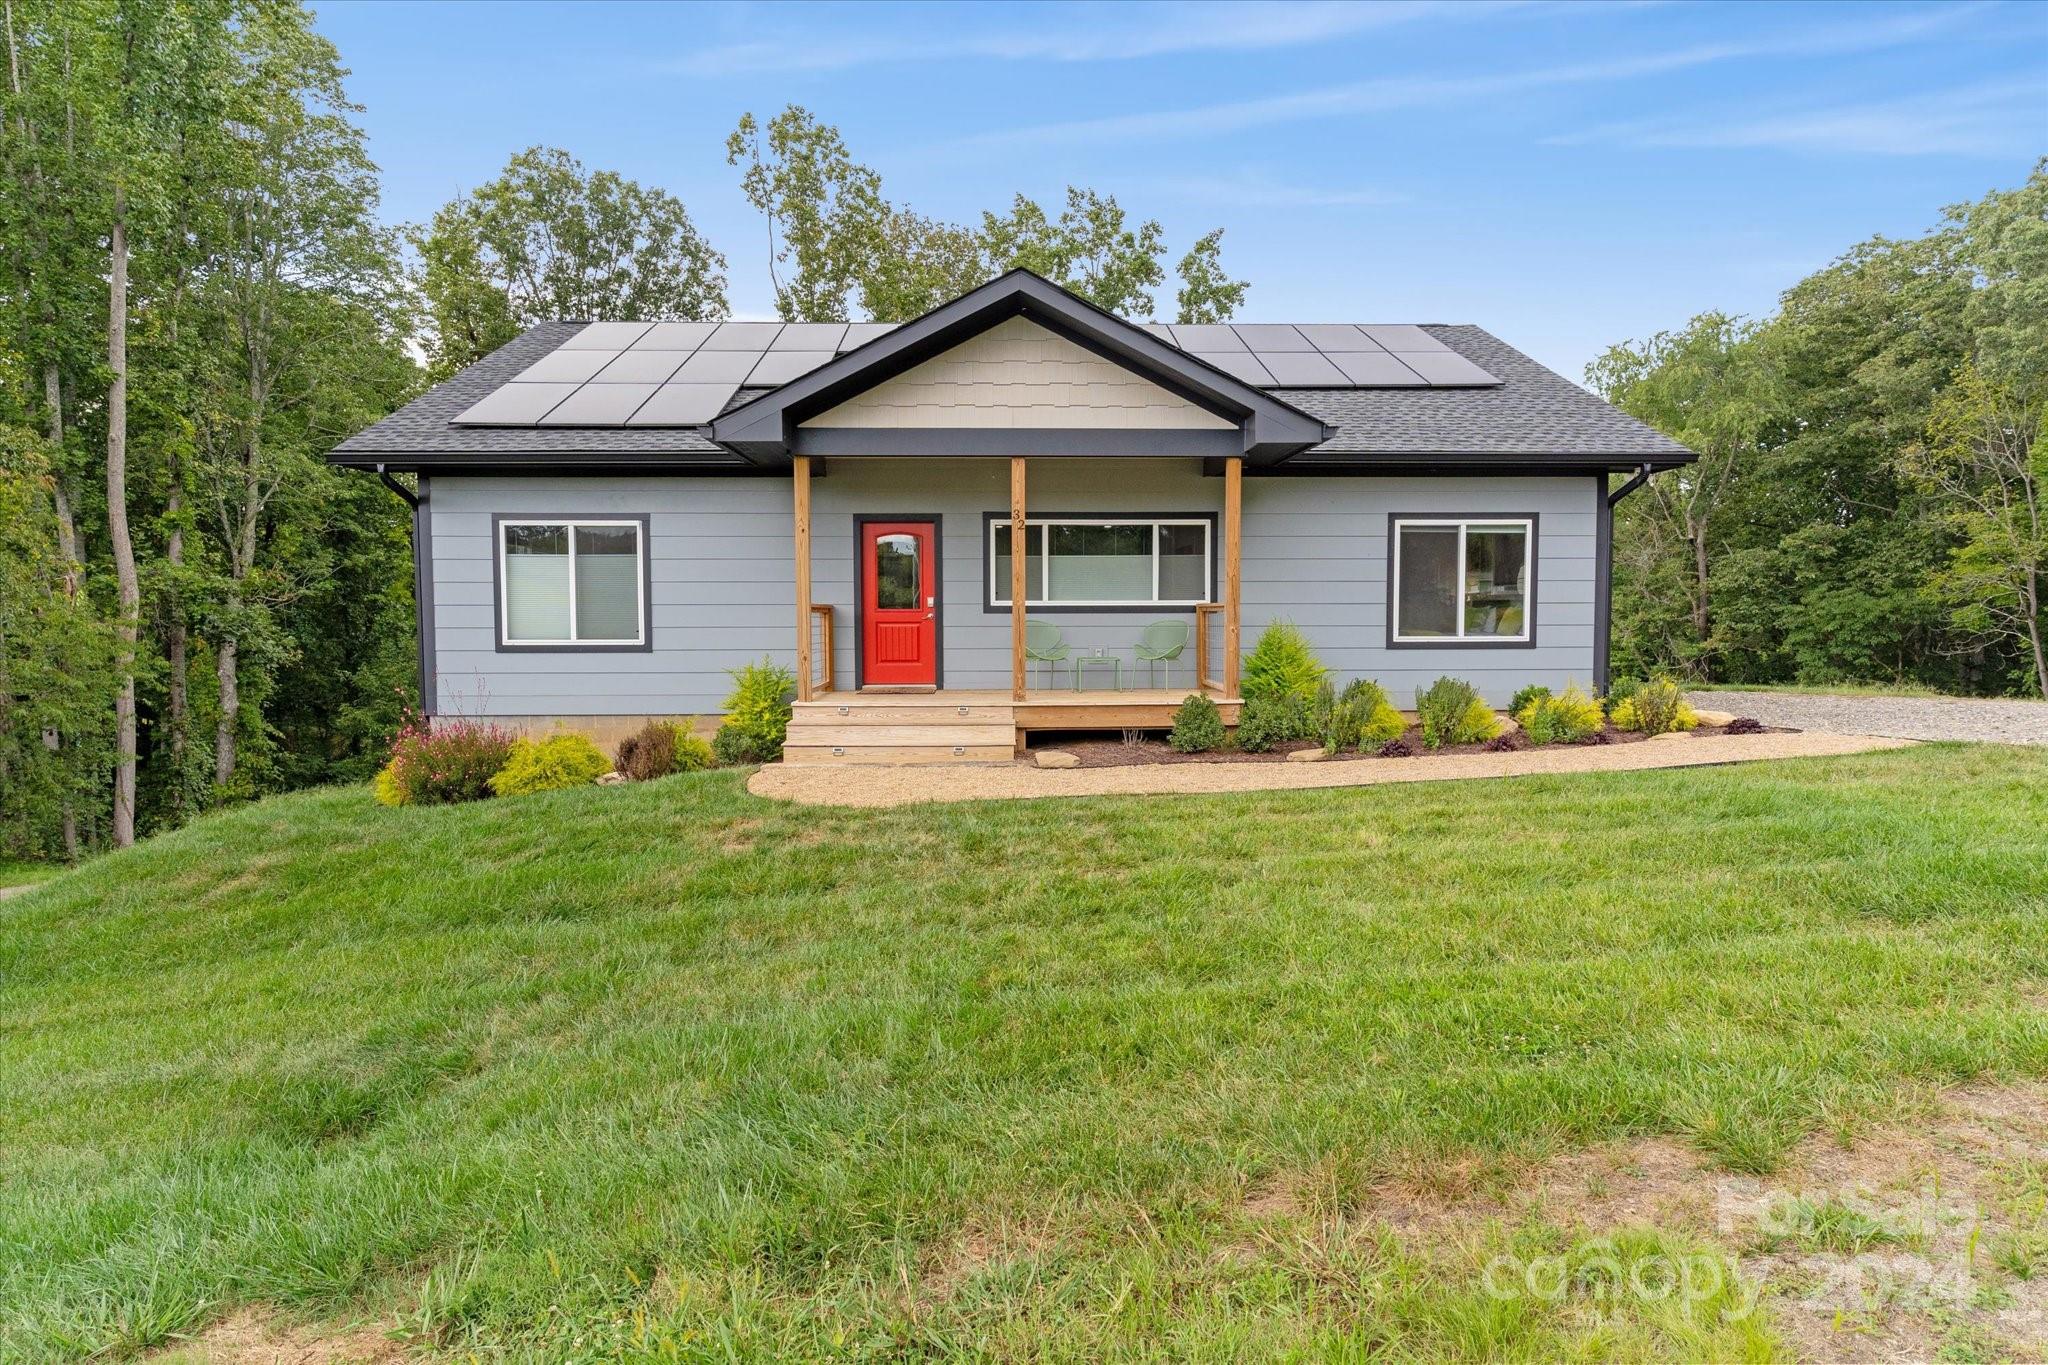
611, 515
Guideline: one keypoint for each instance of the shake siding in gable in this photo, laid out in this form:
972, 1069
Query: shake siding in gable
1315, 553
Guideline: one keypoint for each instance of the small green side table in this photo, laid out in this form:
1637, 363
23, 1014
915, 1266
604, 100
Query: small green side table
1083, 662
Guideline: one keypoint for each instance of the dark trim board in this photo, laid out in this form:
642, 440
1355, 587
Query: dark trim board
860, 635
1038, 443
1394, 520
646, 645
423, 595
1603, 585
988, 520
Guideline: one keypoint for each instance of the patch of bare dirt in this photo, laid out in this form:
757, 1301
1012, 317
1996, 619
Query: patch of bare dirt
249, 1336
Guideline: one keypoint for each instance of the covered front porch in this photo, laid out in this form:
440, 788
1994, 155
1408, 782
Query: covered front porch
968, 725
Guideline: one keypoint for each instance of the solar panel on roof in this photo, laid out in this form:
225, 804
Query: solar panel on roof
1446, 368
743, 336
1240, 365
717, 367
683, 405
1375, 369
1304, 369
779, 367
599, 405
1403, 336
1260, 337
1162, 331
565, 367
861, 333
641, 367
515, 405
606, 336
809, 336
675, 336
1206, 338
1332, 337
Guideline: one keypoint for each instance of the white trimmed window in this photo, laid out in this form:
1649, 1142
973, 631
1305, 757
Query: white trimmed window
569, 583
1462, 580
1110, 562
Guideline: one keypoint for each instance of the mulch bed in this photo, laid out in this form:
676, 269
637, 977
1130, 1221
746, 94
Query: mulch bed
1096, 752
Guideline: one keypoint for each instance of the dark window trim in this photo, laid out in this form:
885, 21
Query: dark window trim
646, 644
1394, 521
988, 607
860, 592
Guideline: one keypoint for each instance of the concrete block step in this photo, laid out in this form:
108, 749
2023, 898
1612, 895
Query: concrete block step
822, 755
900, 736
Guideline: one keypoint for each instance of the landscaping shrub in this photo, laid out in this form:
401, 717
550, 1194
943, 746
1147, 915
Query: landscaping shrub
1452, 712
1378, 721
734, 747
1343, 726
556, 763
1567, 718
1654, 708
1500, 744
1520, 701
759, 707
1745, 725
1268, 721
441, 764
1620, 690
662, 747
1281, 665
1396, 748
1197, 726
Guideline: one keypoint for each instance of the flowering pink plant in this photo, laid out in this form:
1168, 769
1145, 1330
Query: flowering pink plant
439, 763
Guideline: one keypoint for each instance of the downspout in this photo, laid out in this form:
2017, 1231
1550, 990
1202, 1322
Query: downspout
1603, 569
422, 581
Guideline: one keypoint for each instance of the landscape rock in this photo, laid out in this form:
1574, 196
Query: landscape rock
1056, 758
1306, 756
1508, 724
612, 779
1714, 717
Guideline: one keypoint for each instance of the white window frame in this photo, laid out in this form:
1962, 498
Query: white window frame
1527, 526
999, 584
572, 524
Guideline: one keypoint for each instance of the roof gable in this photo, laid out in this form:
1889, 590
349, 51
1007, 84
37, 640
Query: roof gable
772, 427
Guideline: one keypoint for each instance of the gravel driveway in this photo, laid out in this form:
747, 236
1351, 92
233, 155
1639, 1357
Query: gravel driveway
1996, 722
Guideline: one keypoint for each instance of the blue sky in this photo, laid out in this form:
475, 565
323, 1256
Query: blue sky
1565, 175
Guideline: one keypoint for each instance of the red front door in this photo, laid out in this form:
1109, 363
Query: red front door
899, 604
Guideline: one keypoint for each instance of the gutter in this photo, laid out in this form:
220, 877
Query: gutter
411, 499
1635, 481
1603, 573
422, 582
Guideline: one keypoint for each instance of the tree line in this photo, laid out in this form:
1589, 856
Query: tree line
198, 298
1871, 499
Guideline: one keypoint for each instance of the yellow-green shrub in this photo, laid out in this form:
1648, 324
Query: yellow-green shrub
553, 764
1383, 724
1563, 719
1655, 708
1452, 712
385, 785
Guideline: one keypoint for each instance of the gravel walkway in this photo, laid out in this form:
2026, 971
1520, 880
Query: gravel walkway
821, 784
1995, 722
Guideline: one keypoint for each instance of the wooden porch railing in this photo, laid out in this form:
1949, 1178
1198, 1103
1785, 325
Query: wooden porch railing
1203, 611
821, 649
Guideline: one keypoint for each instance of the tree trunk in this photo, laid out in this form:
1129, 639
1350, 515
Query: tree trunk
1700, 621
67, 546
176, 637
2033, 603
230, 702
117, 522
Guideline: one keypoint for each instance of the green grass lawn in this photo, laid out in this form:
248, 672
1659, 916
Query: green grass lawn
25, 874
668, 1071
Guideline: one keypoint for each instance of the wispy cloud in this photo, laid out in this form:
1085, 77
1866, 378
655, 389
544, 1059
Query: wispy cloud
1407, 92
1993, 120
1081, 34
1251, 188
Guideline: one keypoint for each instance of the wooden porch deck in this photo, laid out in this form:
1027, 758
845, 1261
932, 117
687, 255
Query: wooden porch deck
968, 725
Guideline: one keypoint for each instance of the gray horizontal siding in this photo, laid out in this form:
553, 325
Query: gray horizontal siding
1315, 553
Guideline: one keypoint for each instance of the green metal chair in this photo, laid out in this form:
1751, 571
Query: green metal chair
1044, 644
1161, 643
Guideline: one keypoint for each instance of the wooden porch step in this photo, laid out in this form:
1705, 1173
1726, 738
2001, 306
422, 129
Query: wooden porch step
930, 713
922, 753
901, 736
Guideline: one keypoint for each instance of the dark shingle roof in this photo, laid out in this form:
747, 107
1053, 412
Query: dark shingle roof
1534, 414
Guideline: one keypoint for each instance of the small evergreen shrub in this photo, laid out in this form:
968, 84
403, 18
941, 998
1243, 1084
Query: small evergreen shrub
759, 707
1344, 726
1452, 712
1197, 726
662, 747
1654, 708
1268, 721
440, 764
1745, 725
556, 763
1377, 719
1568, 718
1620, 690
1281, 665
733, 747
1520, 702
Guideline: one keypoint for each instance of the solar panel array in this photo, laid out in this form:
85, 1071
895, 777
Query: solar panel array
1326, 355
662, 374
683, 374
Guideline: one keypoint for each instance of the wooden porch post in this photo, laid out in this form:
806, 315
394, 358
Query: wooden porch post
803, 577
1019, 556
1233, 540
